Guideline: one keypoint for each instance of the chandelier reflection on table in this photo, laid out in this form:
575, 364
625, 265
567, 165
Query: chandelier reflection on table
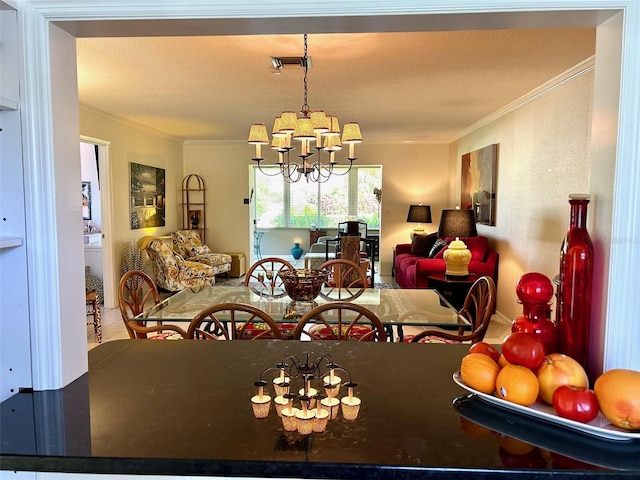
312, 125
314, 409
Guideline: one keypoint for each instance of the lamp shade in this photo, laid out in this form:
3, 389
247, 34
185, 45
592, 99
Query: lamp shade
258, 134
457, 223
304, 129
288, 121
419, 214
351, 133
277, 126
334, 126
332, 143
320, 121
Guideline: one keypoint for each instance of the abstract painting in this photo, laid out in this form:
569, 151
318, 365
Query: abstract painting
478, 187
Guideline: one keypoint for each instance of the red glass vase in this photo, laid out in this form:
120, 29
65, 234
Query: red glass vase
574, 288
535, 291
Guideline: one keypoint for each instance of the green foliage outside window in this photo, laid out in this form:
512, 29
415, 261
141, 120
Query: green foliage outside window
303, 205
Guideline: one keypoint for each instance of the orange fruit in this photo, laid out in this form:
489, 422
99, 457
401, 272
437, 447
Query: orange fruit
517, 384
514, 446
503, 361
618, 394
473, 429
479, 371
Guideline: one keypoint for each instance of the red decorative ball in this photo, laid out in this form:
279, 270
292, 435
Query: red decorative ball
534, 288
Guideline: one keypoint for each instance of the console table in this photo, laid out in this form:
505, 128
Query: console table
453, 289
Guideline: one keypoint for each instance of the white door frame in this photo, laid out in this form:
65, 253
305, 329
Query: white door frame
106, 212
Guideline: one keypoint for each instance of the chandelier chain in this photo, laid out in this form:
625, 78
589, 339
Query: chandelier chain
305, 106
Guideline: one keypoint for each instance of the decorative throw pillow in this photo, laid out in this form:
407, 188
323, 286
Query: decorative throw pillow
478, 247
199, 250
421, 244
437, 247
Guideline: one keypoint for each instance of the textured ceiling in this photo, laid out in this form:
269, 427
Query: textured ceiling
401, 87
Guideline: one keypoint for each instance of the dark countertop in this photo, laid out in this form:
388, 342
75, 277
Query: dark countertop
182, 407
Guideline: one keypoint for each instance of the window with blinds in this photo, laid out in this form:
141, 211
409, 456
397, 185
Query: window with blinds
279, 204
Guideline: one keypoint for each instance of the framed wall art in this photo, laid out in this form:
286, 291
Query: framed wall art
478, 183
147, 193
86, 200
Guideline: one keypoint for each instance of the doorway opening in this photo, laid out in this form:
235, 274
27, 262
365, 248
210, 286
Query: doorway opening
97, 216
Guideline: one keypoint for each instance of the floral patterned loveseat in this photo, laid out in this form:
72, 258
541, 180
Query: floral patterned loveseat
187, 244
172, 272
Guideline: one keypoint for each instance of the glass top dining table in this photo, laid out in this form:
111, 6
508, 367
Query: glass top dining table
394, 307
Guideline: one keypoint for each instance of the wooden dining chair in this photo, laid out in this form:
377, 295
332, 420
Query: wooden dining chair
340, 321
263, 278
346, 280
233, 321
136, 294
479, 305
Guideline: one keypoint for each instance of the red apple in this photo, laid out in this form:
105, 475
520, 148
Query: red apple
575, 403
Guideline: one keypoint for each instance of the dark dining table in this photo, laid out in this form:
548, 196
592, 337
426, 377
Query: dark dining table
183, 408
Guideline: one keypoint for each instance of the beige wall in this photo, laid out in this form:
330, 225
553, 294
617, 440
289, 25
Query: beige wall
543, 156
411, 174
129, 142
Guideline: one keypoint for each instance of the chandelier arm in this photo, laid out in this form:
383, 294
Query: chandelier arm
269, 174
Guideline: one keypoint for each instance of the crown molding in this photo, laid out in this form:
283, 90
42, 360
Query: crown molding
567, 76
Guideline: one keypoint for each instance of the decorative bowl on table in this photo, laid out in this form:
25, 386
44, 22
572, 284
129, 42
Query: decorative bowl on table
302, 286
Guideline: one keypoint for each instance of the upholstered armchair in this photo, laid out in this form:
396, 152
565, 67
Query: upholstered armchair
172, 272
187, 244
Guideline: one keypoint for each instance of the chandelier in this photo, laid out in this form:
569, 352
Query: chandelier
311, 126
316, 408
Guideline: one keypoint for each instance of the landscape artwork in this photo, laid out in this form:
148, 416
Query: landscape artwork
147, 200
478, 188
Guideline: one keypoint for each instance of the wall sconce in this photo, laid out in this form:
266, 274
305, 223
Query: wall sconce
419, 214
316, 409
459, 224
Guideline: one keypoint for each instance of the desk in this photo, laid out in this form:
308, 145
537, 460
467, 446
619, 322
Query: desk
394, 307
182, 408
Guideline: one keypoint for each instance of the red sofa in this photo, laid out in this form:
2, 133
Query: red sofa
411, 270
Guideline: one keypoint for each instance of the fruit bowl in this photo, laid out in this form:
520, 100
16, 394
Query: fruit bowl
303, 285
600, 427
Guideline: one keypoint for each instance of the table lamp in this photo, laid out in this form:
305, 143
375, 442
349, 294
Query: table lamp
419, 214
459, 224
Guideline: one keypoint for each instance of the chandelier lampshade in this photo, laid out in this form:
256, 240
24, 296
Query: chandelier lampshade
320, 121
258, 137
351, 135
334, 126
308, 127
304, 129
288, 122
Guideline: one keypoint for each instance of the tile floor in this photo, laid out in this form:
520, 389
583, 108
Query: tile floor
113, 327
